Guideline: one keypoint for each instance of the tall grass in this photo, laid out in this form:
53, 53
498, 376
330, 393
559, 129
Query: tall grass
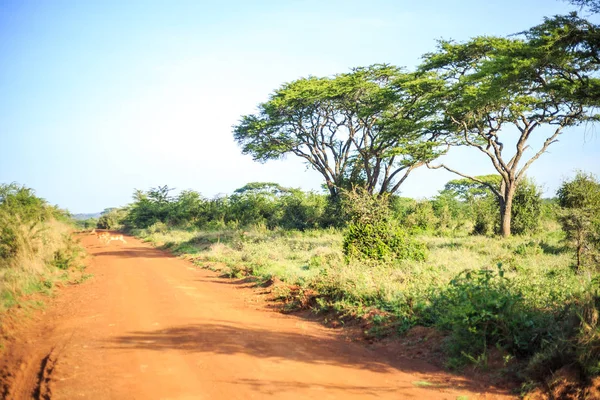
36, 247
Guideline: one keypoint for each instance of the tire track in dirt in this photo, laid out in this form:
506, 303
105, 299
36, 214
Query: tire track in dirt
150, 326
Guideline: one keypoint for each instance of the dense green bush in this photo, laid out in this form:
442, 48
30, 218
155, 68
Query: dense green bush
420, 216
527, 208
482, 207
486, 213
373, 234
111, 219
303, 211
257, 203
483, 308
381, 241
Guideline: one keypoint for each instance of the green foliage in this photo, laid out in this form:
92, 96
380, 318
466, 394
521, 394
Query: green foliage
527, 207
486, 216
256, 203
67, 256
368, 127
467, 190
483, 208
421, 216
149, 207
35, 242
303, 211
568, 46
21, 201
89, 223
372, 234
381, 241
483, 308
526, 82
580, 218
450, 212
111, 219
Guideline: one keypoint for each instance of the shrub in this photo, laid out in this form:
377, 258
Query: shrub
381, 241
483, 308
421, 216
372, 234
34, 242
302, 210
580, 217
527, 208
486, 215
111, 219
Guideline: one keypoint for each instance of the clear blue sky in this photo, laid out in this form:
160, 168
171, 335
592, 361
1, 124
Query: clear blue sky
100, 97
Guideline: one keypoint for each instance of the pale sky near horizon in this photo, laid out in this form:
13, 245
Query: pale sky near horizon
100, 97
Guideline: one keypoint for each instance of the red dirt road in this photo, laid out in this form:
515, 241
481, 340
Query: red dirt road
151, 326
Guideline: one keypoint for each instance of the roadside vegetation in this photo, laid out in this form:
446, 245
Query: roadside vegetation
397, 263
36, 247
487, 262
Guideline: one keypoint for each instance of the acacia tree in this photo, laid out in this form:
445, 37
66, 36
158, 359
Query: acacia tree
496, 83
367, 127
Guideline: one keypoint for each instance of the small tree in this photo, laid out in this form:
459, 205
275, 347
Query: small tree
580, 219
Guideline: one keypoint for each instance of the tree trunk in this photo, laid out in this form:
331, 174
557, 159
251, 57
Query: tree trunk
579, 251
333, 192
506, 210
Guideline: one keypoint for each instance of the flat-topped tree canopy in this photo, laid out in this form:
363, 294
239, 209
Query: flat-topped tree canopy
570, 46
368, 127
493, 83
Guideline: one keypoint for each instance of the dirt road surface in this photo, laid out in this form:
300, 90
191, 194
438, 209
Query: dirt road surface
151, 326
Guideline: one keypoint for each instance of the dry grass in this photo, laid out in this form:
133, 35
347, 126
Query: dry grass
539, 262
43, 250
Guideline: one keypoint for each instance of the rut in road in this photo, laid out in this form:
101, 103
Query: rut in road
151, 326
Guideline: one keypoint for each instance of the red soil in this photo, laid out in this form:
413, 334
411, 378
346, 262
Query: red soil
151, 326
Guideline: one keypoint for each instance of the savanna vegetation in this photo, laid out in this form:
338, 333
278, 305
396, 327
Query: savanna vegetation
36, 246
488, 262
395, 263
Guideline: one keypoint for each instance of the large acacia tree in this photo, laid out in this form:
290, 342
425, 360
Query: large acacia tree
368, 127
499, 85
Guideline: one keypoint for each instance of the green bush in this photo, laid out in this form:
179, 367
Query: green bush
483, 308
111, 219
35, 242
486, 215
527, 208
421, 216
372, 233
580, 218
381, 241
9, 239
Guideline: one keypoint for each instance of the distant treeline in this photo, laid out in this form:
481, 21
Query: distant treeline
462, 205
